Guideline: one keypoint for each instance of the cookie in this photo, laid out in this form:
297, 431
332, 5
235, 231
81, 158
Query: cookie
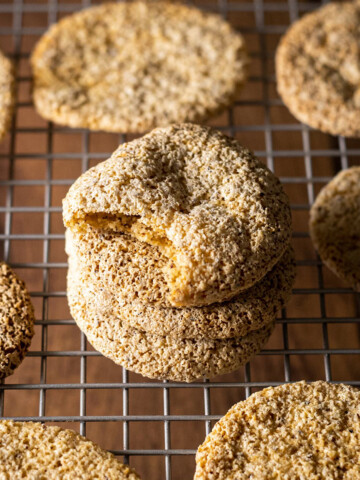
33, 450
133, 66
296, 431
7, 94
248, 311
217, 214
16, 321
156, 356
335, 226
318, 69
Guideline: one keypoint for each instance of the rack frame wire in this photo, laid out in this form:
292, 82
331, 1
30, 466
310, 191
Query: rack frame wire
266, 19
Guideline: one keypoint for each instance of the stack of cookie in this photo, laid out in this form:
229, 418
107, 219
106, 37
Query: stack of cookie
335, 226
179, 255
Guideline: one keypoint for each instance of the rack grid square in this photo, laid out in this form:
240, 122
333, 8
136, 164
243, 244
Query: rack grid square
157, 426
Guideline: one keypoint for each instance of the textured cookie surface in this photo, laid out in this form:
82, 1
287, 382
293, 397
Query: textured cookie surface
156, 356
7, 94
16, 321
134, 66
318, 69
218, 215
335, 225
35, 451
124, 295
295, 431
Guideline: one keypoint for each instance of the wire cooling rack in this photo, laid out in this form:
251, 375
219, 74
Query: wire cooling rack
157, 426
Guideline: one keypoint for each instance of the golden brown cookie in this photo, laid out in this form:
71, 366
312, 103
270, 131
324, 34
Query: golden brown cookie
157, 356
318, 69
335, 226
16, 321
296, 431
36, 451
217, 215
7, 94
133, 66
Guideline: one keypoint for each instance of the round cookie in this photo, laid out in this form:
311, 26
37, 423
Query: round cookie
318, 69
248, 311
335, 225
33, 450
155, 356
7, 94
16, 321
295, 431
217, 214
133, 66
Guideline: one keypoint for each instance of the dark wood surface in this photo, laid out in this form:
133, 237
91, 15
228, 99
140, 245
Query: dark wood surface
67, 163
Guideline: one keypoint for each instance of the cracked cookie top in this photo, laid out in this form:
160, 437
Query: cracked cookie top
133, 66
218, 216
318, 69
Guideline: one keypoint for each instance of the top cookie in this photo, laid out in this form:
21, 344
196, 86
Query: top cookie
318, 69
7, 94
133, 66
32, 450
296, 431
335, 225
16, 321
213, 209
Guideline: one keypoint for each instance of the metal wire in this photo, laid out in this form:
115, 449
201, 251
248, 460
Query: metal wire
269, 21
